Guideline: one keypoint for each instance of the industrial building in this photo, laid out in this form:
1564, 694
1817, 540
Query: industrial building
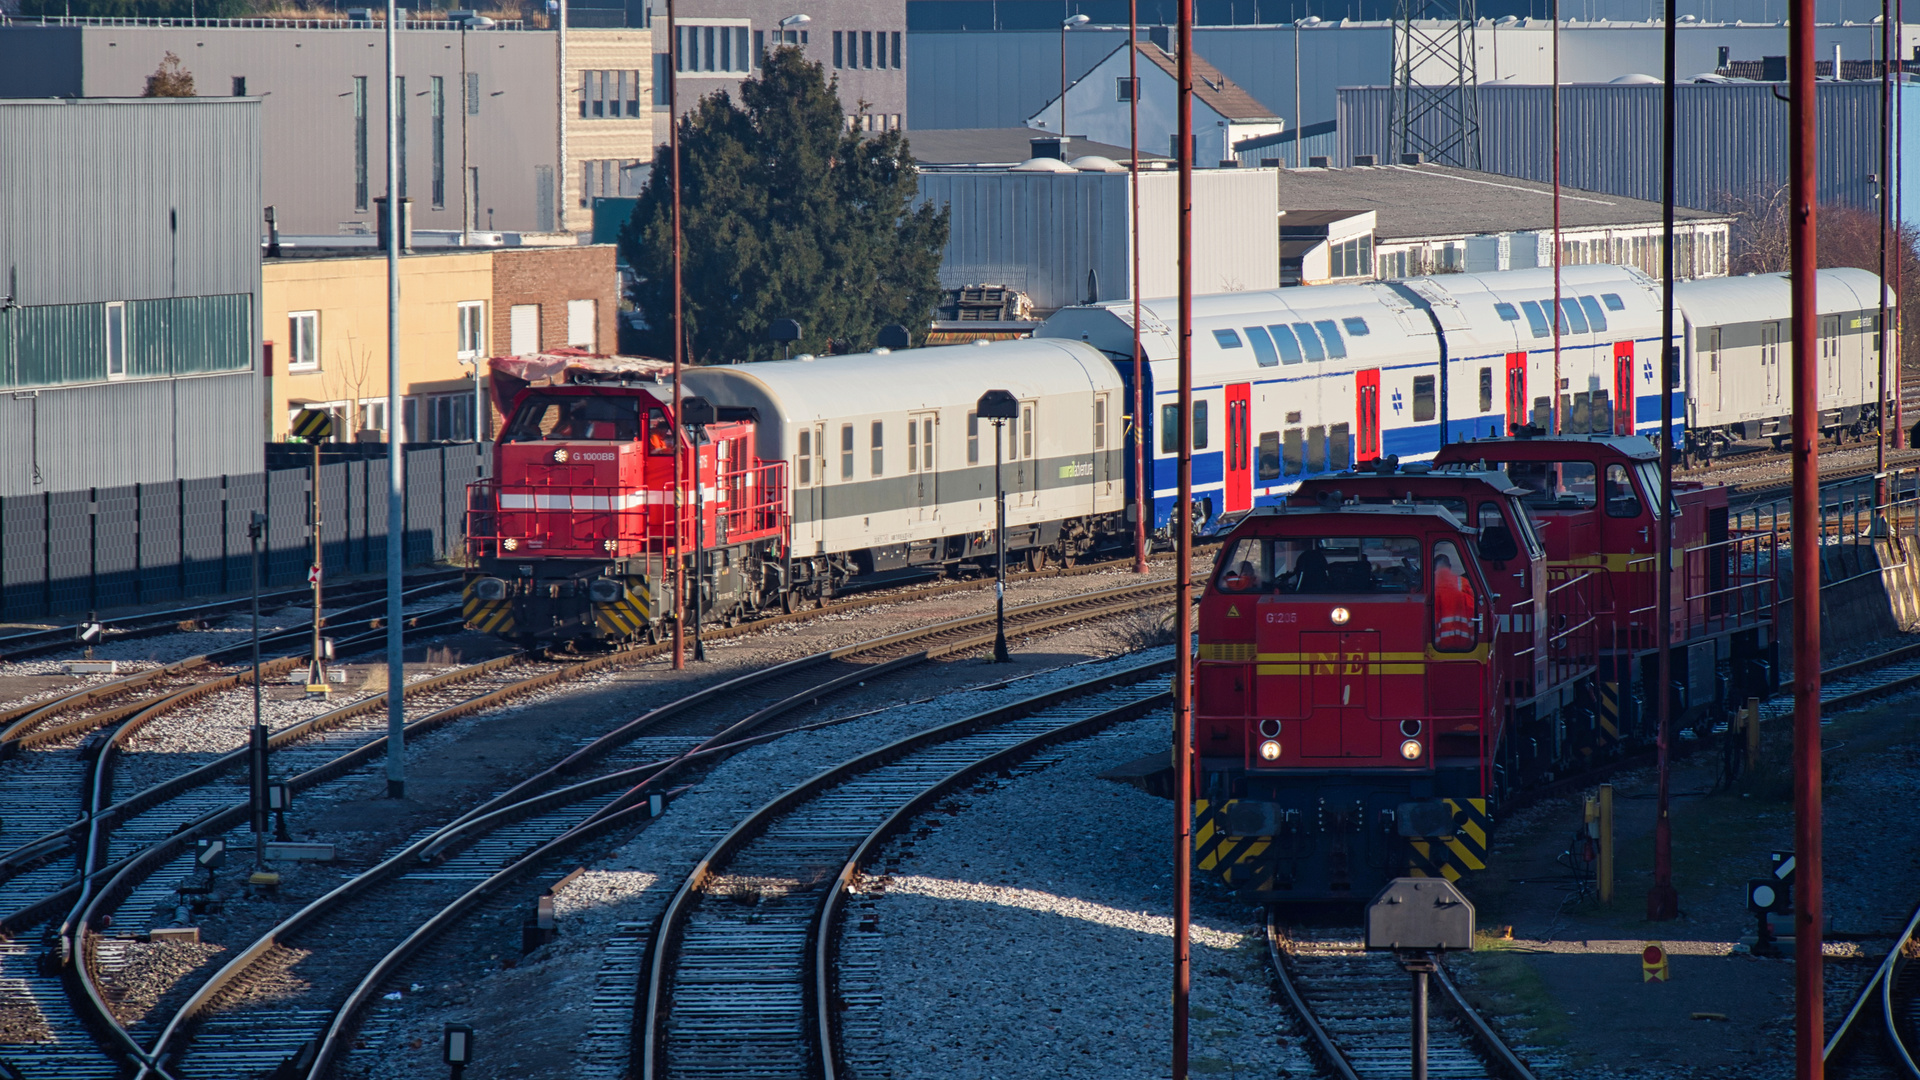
1099, 105
130, 318
982, 77
861, 43
1061, 232
325, 323
1732, 138
1390, 221
538, 123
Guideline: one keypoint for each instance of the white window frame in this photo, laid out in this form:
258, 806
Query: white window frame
471, 343
297, 358
694, 58
369, 408
116, 350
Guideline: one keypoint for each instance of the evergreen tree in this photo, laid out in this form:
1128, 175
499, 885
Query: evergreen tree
784, 214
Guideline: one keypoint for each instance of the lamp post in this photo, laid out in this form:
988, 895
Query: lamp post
791, 26
1070, 24
999, 406
1311, 20
1139, 425
396, 454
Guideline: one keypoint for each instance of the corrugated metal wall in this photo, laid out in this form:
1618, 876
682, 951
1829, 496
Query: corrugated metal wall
137, 431
96, 548
1042, 232
1732, 138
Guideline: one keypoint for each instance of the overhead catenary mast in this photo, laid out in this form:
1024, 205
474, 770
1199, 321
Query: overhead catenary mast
1183, 573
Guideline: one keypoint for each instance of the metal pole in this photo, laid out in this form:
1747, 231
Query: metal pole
1063, 84
256, 759
1809, 990
1663, 902
1183, 574
1142, 482
999, 553
699, 549
1296, 93
1553, 393
479, 406
396, 456
1420, 968
1887, 47
679, 348
316, 663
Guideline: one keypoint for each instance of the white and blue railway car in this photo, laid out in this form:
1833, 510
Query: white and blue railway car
1300, 382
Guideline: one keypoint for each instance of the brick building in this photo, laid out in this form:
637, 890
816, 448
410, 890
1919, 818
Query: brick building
548, 298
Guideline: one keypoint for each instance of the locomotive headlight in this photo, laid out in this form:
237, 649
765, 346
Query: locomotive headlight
610, 544
510, 544
1410, 749
1340, 616
560, 455
1270, 750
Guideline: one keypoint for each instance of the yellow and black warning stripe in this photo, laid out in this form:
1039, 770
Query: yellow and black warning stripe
627, 616
487, 616
1236, 861
1452, 857
1610, 709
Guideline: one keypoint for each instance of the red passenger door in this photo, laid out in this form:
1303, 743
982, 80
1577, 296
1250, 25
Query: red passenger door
1239, 453
1516, 391
1623, 400
1366, 415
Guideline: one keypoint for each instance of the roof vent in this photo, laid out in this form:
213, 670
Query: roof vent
1365, 159
1050, 146
1319, 161
1043, 165
1413, 159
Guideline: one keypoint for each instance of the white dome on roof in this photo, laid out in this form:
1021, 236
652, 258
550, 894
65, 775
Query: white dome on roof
1636, 79
1096, 163
1043, 164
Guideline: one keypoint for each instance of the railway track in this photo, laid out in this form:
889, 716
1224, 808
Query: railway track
1879, 1039
349, 941
741, 976
1355, 1008
369, 595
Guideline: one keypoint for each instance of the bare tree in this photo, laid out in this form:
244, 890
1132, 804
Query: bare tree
1760, 242
169, 79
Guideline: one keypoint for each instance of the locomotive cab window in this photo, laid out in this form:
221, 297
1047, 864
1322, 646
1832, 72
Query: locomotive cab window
1496, 538
1555, 485
555, 417
1454, 606
1344, 565
1622, 500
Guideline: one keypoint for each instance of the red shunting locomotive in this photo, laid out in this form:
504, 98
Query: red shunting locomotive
578, 534
1394, 652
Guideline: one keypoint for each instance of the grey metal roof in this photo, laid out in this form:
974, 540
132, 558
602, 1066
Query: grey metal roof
1438, 200
1001, 146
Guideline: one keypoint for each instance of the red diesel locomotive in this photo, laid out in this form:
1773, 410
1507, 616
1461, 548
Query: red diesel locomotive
577, 535
1393, 653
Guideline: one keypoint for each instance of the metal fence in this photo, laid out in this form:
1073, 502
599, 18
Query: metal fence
71, 552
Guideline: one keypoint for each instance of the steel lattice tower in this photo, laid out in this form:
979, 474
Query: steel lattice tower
1436, 82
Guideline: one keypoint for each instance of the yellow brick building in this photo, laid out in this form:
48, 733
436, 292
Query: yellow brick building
609, 118
324, 321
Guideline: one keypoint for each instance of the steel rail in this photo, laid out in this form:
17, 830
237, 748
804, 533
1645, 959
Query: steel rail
1875, 998
518, 803
1322, 1046
650, 1015
825, 936
1487, 1040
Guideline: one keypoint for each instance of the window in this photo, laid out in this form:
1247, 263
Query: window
1316, 449
239, 86
866, 48
1356, 327
880, 46
1227, 339
913, 446
1710, 344
1351, 258
1100, 423
1536, 318
610, 94
1770, 343
926, 443
1263, 353
473, 93
373, 416
581, 316
759, 45
1613, 301
359, 142
973, 438
400, 127
846, 451
1267, 464
1288, 345
1199, 425
1571, 315
839, 60
1486, 389
1507, 312
719, 47
1322, 565
1293, 454
1026, 432
523, 329
1169, 429
898, 60
803, 461
1596, 317
1330, 336
117, 340
437, 110
303, 341
1622, 501
1422, 398
1454, 611
1124, 88
1309, 341
473, 333
1340, 446
1554, 484
878, 464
